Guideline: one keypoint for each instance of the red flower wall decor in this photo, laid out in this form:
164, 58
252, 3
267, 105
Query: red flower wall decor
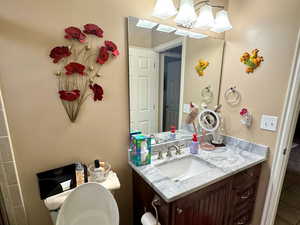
58, 53
80, 64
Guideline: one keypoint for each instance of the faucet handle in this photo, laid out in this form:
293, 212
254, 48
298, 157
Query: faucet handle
178, 149
181, 146
160, 155
169, 153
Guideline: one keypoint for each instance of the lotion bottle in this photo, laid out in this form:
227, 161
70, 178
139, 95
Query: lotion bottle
194, 147
173, 133
79, 171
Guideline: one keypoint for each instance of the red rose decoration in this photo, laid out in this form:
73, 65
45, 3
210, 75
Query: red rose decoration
75, 33
98, 92
74, 67
93, 29
103, 55
112, 47
58, 53
243, 111
69, 95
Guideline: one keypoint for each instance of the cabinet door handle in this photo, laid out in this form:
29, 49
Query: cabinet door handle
243, 221
246, 195
179, 211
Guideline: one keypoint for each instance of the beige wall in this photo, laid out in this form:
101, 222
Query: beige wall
209, 49
159, 38
146, 38
42, 136
137, 36
272, 27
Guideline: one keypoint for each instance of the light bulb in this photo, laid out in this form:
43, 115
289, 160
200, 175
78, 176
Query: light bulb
222, 22
165, 28
205, 20
164, 9
186, 15
146, 24
197, 35
181, 32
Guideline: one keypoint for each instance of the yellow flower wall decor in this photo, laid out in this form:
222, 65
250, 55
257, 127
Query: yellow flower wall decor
201, 66
252, 61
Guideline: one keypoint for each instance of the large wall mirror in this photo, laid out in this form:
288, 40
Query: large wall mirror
162, 75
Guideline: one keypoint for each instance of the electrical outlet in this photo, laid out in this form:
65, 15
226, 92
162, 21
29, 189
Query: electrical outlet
268, 122
186, 108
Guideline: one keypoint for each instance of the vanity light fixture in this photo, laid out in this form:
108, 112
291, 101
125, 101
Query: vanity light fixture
206, 20
164, 9
146, 24
181, 32
222, 22
197, 35
186, 15
165, 28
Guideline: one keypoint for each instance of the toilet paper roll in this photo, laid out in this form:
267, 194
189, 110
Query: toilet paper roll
148, 219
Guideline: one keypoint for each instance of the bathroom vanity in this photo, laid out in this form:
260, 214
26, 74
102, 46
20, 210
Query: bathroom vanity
210, 188
223, 192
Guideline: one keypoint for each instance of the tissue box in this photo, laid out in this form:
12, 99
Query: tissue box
140, 153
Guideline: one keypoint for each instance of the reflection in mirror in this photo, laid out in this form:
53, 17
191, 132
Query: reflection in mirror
167, 72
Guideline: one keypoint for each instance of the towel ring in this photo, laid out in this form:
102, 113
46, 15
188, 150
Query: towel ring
207, 95
232, 96
155, 202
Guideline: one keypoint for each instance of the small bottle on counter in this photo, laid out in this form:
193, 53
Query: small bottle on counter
79, 171
194, 147
98, 171
173, 133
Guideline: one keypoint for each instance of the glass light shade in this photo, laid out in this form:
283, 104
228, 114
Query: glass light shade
165, 28
197, 35
146, 24
181, 32
222, 22
205, 19
164, 9
186, 15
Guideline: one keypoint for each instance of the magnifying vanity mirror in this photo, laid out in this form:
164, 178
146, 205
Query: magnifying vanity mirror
165, 76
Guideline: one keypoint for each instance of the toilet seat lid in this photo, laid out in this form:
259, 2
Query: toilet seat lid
89, 204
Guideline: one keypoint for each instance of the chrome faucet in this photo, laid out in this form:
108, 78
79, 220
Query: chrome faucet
177, 152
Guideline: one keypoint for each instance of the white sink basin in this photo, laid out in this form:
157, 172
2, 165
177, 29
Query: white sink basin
184, 168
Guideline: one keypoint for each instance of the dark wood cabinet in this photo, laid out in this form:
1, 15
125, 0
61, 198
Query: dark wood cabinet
227, 202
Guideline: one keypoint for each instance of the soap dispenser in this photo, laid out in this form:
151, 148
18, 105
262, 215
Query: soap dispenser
194, 147
173, 133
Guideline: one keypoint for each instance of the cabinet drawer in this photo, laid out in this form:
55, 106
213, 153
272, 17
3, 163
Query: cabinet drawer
244, 195
246, 177
244, 215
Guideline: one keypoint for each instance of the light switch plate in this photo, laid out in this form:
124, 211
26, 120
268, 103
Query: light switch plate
268, 122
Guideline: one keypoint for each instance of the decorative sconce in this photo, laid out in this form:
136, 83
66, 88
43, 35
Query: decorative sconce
252, 61
201, 66
187, 16
246, 117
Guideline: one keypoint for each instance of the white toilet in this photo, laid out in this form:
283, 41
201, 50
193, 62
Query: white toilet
89, 204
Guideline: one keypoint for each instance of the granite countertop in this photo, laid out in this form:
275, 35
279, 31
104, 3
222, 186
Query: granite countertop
222, 162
